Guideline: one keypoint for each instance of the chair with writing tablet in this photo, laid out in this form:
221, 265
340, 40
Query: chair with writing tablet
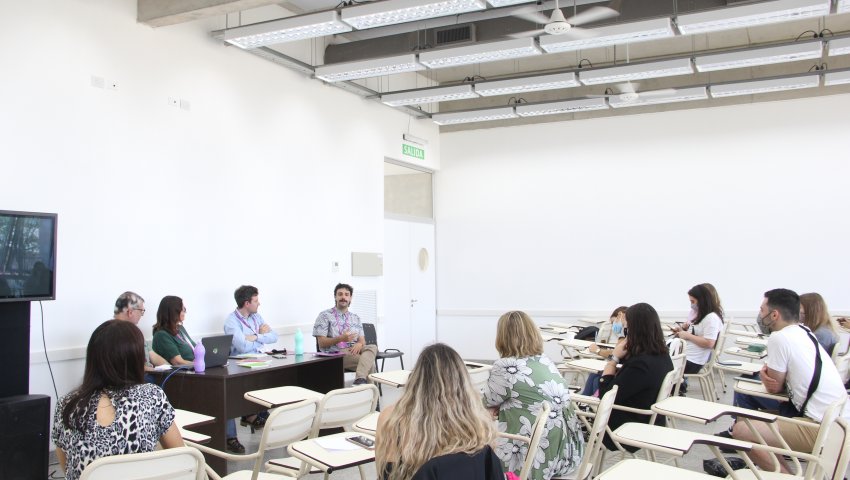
285, 425
593, 448
183, 463
340, 408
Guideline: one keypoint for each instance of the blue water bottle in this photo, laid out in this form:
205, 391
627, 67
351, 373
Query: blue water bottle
200, 351
299, 342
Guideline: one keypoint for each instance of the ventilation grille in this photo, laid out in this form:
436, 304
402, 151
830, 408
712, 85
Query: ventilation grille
454, 35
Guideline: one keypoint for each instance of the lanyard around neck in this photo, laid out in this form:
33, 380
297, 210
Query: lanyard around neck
255, 329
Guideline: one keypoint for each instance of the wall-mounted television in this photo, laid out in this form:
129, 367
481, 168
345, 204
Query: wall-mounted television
27, 256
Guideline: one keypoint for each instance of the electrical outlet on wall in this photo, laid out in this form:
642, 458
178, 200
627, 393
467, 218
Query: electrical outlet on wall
173, 101
335, 266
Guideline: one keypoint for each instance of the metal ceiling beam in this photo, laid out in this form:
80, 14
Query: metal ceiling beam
160, 13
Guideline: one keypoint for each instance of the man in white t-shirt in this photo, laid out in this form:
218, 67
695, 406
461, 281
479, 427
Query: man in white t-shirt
790, 367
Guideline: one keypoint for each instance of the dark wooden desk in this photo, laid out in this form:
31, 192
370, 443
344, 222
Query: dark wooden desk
219, 392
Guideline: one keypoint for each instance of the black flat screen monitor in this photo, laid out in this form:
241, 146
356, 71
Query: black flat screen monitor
27, 256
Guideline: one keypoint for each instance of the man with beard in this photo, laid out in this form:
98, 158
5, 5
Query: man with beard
339, 330
798, 365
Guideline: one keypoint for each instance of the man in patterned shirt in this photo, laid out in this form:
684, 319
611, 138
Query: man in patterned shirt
339, 330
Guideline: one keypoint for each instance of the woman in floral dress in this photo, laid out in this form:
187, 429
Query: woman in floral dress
519, 383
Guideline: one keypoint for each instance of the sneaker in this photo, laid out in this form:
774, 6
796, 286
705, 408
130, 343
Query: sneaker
234, 446
360, 381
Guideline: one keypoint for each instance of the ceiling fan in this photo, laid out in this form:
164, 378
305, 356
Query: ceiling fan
628, 92
558, 24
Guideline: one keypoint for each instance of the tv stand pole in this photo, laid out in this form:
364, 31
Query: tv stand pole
15, 348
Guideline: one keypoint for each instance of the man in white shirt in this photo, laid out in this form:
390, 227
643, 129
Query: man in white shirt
790, 367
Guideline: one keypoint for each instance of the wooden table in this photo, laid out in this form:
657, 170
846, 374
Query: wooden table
219, 391
328, 461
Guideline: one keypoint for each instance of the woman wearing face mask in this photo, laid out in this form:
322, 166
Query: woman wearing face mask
701, 334
611, 332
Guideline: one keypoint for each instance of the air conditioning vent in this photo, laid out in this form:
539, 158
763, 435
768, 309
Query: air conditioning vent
454, 35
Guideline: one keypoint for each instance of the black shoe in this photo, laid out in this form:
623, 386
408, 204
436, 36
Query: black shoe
725, 434
234, 446
360, 381
257, 423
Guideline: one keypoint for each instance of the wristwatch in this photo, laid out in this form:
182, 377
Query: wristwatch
612, 358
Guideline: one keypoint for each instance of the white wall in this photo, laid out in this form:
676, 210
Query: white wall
584, 216
267, 179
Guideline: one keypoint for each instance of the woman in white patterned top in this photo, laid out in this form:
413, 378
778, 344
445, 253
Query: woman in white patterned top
113, 412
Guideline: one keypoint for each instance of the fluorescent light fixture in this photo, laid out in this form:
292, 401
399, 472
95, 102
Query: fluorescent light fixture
480, 53
760, 56
527, 84
286, 30
840, 46
567, 106
611, 35
836, 78
473, 116
374, 67
647, 98
666, 68
428, 95
751, 15
391, 12
505, 3
764, 86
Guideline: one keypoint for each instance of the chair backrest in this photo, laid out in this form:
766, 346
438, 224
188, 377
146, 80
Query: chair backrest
679, 362
593, 449
183, 463
285, 425
370, 334
718, 347
537, 431
344, 406
479, 377
675, 346
830, 444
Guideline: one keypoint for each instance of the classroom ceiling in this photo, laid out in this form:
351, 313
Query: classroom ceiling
486, 27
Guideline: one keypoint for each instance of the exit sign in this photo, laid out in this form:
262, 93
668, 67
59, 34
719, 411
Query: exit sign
412, 151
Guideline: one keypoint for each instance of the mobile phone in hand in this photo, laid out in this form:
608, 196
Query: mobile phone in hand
362, 441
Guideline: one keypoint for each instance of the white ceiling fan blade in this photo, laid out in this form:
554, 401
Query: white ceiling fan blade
579, 33
657, 93
531, 15
530, 33
593, 14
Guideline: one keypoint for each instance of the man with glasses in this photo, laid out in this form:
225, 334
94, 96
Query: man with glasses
130, 307
339, 330
798, 365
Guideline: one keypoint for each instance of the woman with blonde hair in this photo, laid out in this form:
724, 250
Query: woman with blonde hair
815, 315
439, 427
520, 382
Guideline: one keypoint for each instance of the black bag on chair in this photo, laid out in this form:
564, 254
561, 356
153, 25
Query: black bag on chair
587, 333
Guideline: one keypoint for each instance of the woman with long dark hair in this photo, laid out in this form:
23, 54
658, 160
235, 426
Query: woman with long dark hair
645, 362
114, 411
701, 334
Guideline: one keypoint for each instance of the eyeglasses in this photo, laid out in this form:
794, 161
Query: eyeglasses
140, 310
184, 309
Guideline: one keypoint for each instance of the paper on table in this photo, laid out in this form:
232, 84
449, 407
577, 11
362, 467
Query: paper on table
335, 443
161, 368
254, 364
249, 355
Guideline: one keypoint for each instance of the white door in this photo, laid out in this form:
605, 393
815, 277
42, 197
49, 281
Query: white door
410, 286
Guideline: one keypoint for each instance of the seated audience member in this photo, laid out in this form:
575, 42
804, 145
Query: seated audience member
340, 330
520, 381
173, 343
113, 412
438, 428
815, 316
130, 307
790, 366
250, 334
645, 362
610, 332
702, 333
